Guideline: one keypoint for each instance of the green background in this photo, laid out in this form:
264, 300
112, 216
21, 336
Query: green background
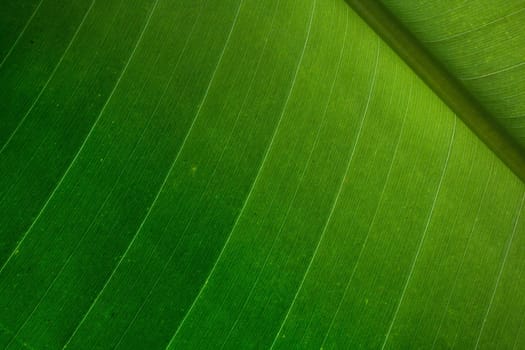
254, 174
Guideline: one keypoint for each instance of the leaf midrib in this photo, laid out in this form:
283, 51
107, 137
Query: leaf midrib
447, 87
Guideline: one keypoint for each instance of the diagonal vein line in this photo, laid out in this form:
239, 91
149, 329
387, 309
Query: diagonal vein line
260, 60
57, 276
518, 333
45, 139
293, 199
59, 273
256, 180
158, 279
102, 206
515, 116
336, 199
349, 283
21, 33
20, 172
164, 181
475, 29
423, 236
83, 143
373, 219
456, 278
315, 144
500, 273
343, 180
187, 135
501, 70
230, 137
437, 15
53, 192
53, 72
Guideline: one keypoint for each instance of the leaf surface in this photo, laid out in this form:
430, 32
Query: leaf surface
481, 43
244, 174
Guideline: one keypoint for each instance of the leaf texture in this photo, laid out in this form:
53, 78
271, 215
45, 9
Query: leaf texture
243, 174
482, 44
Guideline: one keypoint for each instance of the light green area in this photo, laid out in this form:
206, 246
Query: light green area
243, 174
482, 44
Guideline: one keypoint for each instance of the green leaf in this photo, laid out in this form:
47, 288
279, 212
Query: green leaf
482, 45
254, 174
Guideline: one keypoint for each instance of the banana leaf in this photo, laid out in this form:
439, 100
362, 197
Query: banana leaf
258, 174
